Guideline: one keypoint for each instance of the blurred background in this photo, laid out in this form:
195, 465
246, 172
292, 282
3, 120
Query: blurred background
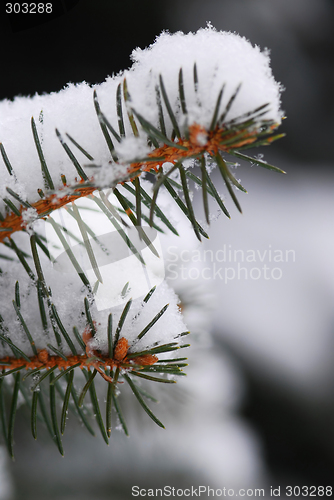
259, 409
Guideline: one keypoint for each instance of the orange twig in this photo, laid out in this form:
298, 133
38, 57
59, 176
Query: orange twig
119, 360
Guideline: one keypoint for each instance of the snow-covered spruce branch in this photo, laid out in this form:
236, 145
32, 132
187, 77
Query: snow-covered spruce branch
188, 100
186, 96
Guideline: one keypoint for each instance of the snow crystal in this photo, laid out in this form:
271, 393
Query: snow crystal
132, 149
29, 215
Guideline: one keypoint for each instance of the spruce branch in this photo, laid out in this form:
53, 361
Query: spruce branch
171, 120
122, 361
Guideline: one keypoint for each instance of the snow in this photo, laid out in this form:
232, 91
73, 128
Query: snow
167, 328
221, 58
131, 148
29, 215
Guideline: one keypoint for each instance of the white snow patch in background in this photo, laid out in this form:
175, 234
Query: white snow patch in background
6, 486
281, 327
